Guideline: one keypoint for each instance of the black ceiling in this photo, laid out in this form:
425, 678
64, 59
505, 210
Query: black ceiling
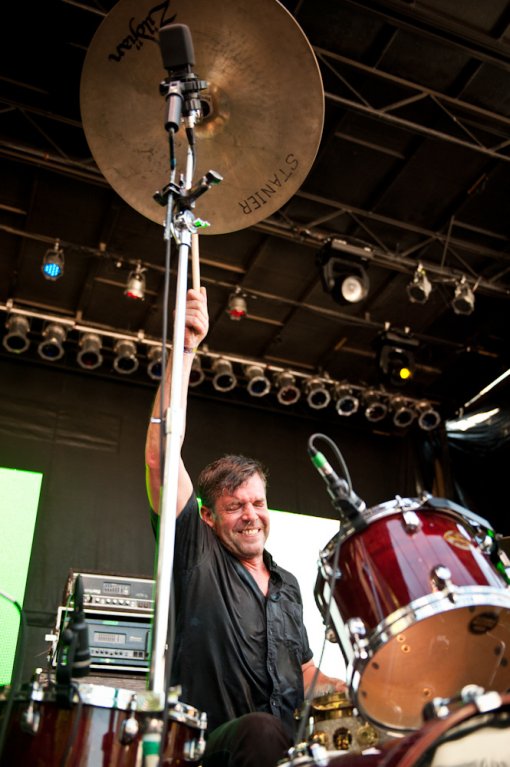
412, 167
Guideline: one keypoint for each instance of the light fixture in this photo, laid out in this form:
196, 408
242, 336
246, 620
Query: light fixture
237, 307
258, 383
135, 287
288, 392
345, 280
196, 375
125, 361
51, 347
403, 412
419, 288
463, 301
346, 402
89, 355
224, 378
375, 407
53, 262
16, 339
396, 356
317, 395
155, 356
428, 417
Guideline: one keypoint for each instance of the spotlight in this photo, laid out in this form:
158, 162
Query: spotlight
375, 407
196, 375
396, 356
51, 347
345, 280
135, 287
53, 262
89, 356
16, 339
346, 402
155, 356
419, 289
463, 301
317, 395
403, 412
224, 378
288, 392
125, 361
258, 383
428, 417
237, 307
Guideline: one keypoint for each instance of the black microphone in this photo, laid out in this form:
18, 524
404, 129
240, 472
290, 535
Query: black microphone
182, 87
79, 627
343, 497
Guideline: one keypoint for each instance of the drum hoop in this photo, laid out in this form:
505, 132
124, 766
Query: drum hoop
101, 696
398, 504
433, 730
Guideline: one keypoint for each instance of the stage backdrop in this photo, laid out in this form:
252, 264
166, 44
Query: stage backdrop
85, 434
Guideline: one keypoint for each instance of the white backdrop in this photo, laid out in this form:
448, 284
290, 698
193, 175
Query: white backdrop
295, 541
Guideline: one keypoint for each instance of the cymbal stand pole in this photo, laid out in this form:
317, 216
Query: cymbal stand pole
183, 228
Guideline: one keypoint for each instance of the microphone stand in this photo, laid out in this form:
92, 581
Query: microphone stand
184, 228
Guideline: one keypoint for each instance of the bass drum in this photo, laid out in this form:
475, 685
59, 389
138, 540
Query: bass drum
419, 607
102, 726
464, 737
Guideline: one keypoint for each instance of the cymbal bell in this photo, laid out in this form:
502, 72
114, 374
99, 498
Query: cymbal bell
264, 99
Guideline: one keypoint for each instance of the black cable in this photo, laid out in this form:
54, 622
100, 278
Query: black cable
16, 671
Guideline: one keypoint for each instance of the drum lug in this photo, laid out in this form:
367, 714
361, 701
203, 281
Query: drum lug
194, 749
358, 633
441, 578
130, 728
410, 521
31, 717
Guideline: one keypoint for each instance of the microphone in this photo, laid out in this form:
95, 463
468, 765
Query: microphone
343, 497
79, 627
182, 87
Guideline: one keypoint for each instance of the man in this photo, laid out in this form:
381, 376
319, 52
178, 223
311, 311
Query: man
241, 652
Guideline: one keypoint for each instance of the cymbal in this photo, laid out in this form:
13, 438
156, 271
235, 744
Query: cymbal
264, 94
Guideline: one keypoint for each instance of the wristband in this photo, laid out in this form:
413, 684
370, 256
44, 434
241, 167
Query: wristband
190, 349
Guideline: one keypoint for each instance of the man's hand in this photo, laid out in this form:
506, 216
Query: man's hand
197, 318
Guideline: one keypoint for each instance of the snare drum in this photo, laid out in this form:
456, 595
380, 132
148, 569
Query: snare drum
418, 607
103, 726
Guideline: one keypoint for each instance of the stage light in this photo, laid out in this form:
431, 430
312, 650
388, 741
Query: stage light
396, 356
375, 407
463, 301
428, 417
403, 412
420, 288
196, 375
89, 355
16, 339
288, 392
155, 356
125, 361
317, 395
224, 378
51, 347
346, 402
135, 287
237, 306
345, 280
258, 383
53, 262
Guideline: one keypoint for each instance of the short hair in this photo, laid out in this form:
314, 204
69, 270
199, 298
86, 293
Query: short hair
227, 473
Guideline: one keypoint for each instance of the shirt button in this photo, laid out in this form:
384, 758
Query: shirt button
275, 597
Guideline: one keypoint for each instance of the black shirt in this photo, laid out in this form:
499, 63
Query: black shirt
236, 650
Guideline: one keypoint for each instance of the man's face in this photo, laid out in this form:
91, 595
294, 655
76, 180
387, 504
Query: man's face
241, 519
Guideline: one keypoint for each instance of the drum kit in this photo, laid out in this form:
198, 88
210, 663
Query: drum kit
416, 596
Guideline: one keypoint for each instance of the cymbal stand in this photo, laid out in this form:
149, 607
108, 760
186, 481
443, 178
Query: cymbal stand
184, 226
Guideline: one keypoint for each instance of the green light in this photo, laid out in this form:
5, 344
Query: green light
19, 496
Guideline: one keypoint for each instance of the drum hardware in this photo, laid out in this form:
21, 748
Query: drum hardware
31, 717
358, 633
411, 521
441, 579
130, 727
440, 708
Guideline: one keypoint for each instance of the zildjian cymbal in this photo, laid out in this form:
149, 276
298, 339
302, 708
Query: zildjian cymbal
263, 106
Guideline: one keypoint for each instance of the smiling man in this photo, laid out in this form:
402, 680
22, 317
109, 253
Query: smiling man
241, 652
